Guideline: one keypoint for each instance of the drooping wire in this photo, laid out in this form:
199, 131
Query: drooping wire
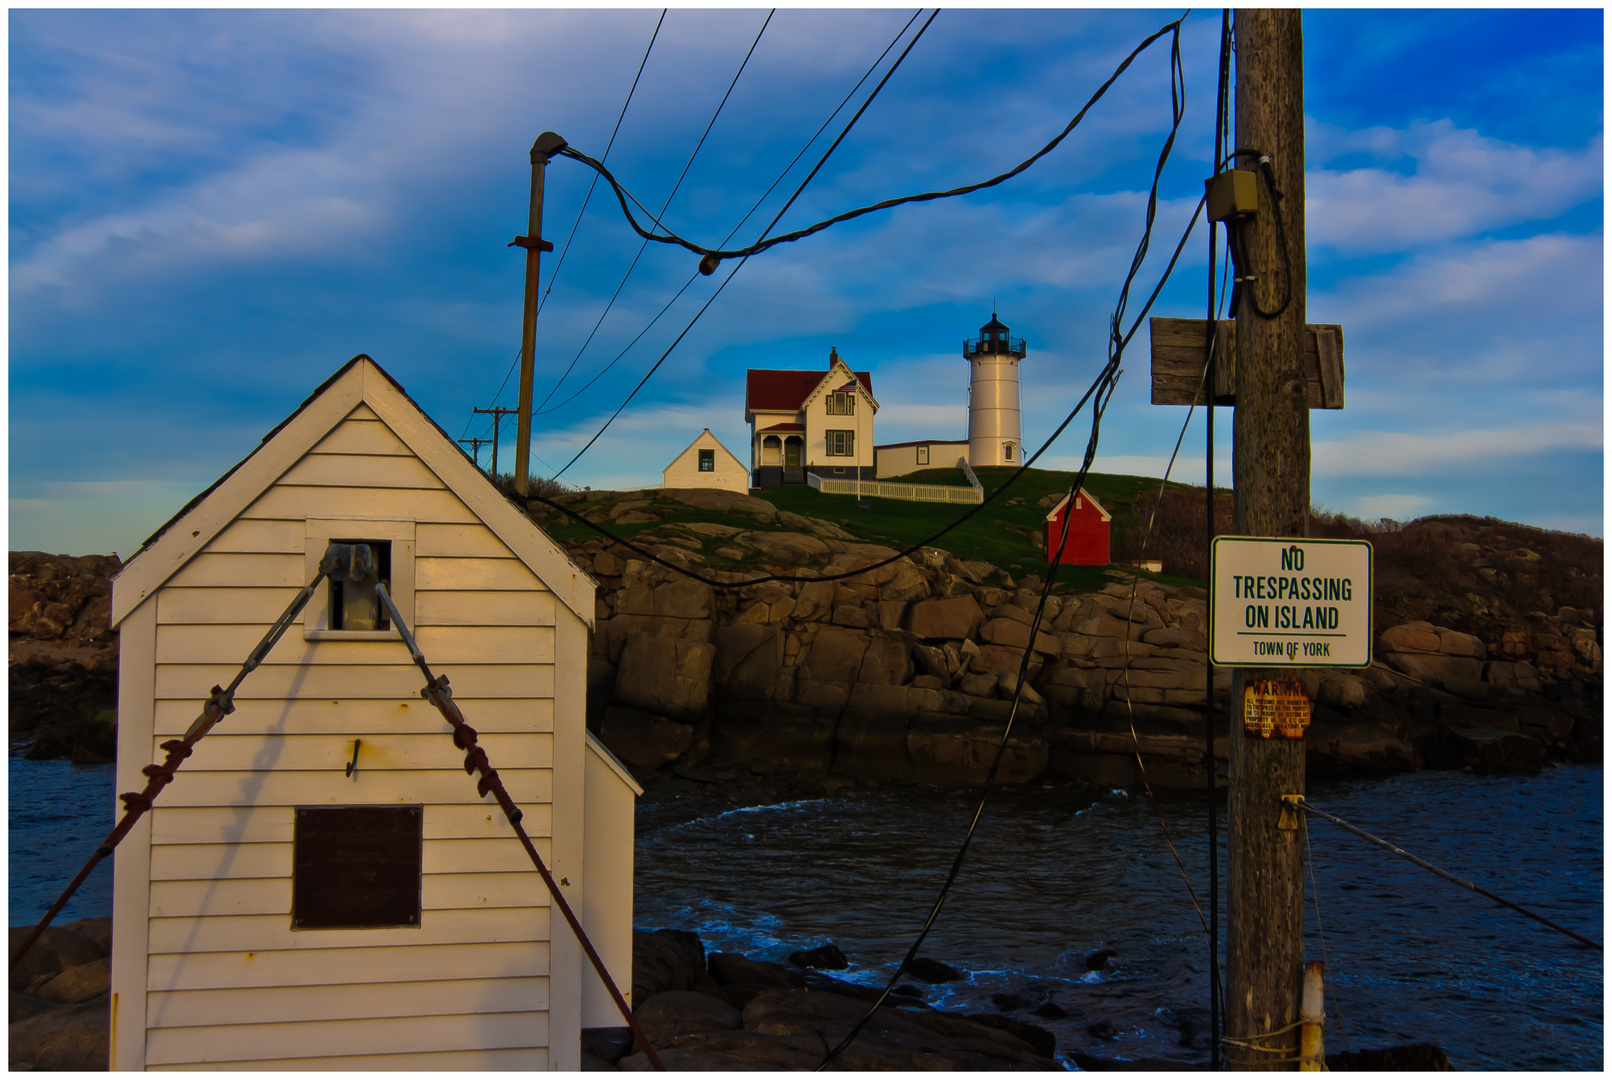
1104, 390
668, 237
678, 340
572, 234
670, 196
1315, 900
754, 207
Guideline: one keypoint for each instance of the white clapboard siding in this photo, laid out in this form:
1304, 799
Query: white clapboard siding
220, 862
357, 718
277, 824
233, 752
390, 963
472, 607
362, 437
282, 1004
531, 1059
390, 1034
264, 933
272, 896
444, 647
191, 682
469, 573
461, 541
281, 570
271, 787
260, 536
257, 607
362, 471
283, 501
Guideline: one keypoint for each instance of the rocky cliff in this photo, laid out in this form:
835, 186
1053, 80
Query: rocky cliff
906, 672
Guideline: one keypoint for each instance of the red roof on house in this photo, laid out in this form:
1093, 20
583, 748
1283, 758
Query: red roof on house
785, 391
785, 427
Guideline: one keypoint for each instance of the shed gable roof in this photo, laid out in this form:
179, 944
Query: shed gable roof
1052, 515
360, 381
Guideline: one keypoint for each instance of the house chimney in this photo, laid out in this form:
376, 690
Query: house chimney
833, 356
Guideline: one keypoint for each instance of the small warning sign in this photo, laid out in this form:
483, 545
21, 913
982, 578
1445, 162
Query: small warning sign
1275, 710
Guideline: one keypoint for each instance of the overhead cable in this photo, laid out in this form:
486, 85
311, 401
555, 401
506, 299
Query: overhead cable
668, 237
678, 340
1102, 393
566, 249
753, 208
670, 196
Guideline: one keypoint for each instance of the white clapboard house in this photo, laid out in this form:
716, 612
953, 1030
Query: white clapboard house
706, 463
273, 911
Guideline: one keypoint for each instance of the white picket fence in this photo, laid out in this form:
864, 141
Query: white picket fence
886, 489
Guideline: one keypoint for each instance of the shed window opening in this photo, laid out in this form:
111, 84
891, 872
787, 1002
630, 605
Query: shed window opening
356, 867
842, 404
708, 461
840, 443
353, 603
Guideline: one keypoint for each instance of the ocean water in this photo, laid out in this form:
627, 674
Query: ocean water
1057, 875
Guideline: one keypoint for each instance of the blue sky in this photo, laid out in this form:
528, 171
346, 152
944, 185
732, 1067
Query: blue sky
211, 211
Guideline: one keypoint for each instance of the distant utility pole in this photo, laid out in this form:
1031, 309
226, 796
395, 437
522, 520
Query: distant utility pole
1271, 466
547, 145
497, 412
475, 449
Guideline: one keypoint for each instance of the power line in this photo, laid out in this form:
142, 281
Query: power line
849, 124
672, 195
669, 237
754, 207
566, 249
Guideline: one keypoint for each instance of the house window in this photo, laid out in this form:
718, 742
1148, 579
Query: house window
346, 606
839, 443
923, 455
356, 867
841, 404
708, 461
1007, 451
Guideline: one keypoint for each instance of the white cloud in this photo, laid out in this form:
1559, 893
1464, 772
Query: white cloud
1404, 453
1463, 184
1398, 507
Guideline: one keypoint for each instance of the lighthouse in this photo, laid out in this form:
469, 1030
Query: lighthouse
993, 395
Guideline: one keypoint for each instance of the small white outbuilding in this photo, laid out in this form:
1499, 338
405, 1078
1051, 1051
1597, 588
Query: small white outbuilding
706, 463
273, 911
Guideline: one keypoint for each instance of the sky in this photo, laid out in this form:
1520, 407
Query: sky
212, 211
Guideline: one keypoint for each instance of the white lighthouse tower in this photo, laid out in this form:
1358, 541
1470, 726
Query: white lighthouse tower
993, 396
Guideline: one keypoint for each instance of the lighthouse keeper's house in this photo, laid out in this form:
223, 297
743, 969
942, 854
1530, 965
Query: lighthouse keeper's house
276, 909
818, 422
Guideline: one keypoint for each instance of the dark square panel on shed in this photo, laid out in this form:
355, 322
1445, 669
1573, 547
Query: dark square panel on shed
356, 867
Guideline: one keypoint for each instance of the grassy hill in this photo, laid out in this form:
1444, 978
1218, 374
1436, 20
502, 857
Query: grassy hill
1006, 532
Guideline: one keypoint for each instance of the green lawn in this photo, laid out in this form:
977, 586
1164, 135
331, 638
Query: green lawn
1007, 531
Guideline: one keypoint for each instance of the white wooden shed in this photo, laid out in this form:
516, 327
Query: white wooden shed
229, 952
706, 463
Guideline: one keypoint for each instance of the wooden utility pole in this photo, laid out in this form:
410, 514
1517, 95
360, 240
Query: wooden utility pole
1271, 466
498, 412
547, 145
475, 448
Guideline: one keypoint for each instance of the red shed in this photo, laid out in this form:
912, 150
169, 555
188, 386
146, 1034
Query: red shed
1088, 532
